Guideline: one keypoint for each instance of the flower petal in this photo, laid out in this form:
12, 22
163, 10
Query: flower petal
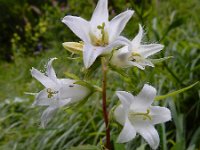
79, 26
145, 98
150, 49
47, 115
125, 98
121, 41
42, 99
128, 132
159, 114
63, 102
120, 57
50, 71
100, 14
90, 53
149, 133
118, 23
120, 114
138, 38
136, 64
46, 81
73, 91
66, 81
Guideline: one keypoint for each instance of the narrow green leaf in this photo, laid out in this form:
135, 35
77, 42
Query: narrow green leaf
156, 61
175, 92
118, 70
72, 76
141, 147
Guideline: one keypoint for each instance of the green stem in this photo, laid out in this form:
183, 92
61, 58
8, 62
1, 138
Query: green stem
105, 113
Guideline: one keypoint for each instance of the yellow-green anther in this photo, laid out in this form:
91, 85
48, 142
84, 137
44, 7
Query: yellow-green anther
104, 37
51, 92
144, 115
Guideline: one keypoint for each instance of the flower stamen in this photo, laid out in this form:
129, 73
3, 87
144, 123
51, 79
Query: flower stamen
51, 92
144, 115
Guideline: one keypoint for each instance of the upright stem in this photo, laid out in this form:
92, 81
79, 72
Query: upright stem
105, 113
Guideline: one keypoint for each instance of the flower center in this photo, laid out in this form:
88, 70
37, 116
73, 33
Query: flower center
135, 57
51, 92
101, 38
145, 116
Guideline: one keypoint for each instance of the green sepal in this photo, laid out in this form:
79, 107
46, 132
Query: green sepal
160, 60
161, 97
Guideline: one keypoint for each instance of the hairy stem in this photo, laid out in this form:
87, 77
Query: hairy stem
105, 113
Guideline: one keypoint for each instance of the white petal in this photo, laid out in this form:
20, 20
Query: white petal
90, 53
73, 91
79, 26
120, 114
121, 41
63, 102
128, 132
150, 49
46, 81
145, 98
159, 114
136, 64
137, 40
141, 64
149, 133
123, 50
118, 23
66, 81
50, 71
47, 115
125, 98
100, 14
42, 99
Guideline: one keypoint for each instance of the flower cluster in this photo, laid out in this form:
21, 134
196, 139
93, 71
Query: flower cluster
101, 39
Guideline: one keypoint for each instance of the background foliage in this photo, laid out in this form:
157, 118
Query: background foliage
32, 32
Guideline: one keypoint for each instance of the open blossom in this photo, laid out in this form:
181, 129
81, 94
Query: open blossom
57, 92
137, 115
99, 34
136, 54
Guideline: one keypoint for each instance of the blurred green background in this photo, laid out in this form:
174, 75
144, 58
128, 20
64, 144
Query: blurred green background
32, 32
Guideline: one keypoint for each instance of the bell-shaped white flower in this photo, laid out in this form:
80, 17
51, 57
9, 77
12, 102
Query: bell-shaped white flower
57, 92
137, 115
99, 34
135, 54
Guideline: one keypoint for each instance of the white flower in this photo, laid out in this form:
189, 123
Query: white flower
136, 53
138, 116
99, 34
57, 92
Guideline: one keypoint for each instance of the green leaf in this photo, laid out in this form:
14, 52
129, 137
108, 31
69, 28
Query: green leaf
175, 92
118, 70
141, 147
88, 85
85, 147
119, 146
92, 70
156, 61
72, 76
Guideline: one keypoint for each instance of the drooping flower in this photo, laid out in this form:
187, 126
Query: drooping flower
135, 54
57, 92
99, 34
137, 115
